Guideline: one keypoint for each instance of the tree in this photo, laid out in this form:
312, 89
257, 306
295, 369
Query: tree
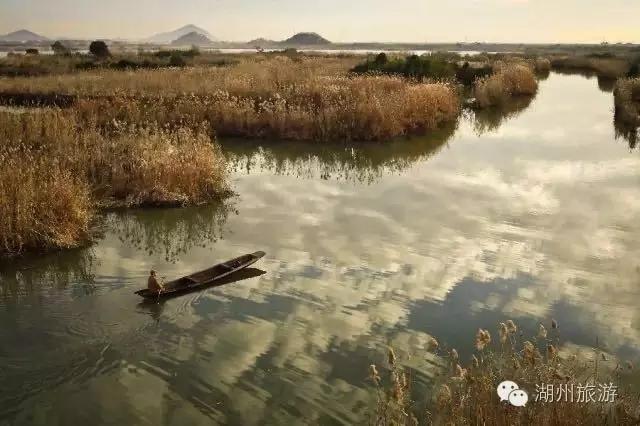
99, 49
381, 59
60, 49
176, 60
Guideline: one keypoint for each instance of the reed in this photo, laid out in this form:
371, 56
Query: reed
467, 393
627, 101
61, 169
508, 81
306, 99
610, 67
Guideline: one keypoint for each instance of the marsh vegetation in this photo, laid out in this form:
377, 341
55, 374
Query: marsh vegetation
466, 393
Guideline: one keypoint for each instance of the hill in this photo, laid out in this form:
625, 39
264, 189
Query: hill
192, 39
306, 39
168, 37
22, 35
261, 42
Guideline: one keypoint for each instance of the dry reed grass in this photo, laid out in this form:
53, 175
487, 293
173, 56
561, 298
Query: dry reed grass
306, 99
627, 101
604, 67
467, 395
542, 65
509, 80
59, 170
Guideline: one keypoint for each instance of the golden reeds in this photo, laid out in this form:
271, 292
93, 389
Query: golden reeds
56, 171
468, 395
603, 67
308, 99
509, 80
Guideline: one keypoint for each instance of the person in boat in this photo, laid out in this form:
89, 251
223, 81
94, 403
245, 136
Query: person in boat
153, 284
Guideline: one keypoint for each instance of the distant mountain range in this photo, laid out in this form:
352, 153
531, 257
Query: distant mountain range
22, 36
171, 36
187, 35
192, 39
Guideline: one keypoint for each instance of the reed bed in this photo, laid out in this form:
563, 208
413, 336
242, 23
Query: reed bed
542, 65
61, 170
508, 81
468, 394
627, 101
306, 99
604, 67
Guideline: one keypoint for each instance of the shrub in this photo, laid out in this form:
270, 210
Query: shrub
177, 61
32, 51
510, 80
413, 66
99, 49
467, 74
60, 49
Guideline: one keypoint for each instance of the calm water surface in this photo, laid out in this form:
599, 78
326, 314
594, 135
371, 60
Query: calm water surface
530, 216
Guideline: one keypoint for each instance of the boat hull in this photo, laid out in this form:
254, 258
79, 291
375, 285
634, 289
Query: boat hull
204, 278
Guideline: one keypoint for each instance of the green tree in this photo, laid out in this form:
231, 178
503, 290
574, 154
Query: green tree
99, 49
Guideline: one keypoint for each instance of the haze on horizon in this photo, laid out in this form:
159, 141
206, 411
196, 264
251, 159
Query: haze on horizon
421, 21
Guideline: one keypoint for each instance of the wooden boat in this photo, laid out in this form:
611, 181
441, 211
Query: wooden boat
203, 278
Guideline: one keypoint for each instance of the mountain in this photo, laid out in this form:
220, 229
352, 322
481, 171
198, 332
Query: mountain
166, 38
261, 42
192, 39
306, 39
22, 35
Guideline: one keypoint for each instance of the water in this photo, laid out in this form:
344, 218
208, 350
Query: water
529, 216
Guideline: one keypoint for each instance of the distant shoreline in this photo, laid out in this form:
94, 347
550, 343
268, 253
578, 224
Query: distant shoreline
374, 46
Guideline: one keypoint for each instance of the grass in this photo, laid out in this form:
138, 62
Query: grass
44, 65
279, 97
604, 66
508, 81
627, 101
60, 170
467, 394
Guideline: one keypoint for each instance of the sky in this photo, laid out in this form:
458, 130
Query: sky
421, 21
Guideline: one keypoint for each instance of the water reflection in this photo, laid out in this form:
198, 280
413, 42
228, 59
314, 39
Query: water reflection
606, 84
59, 270
490, 119
627, 133
356, 162
171, 232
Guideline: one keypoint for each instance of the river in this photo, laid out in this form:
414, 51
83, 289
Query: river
527, 216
